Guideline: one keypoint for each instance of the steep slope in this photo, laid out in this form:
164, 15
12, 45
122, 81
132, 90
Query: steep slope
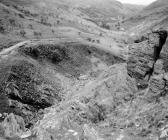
38, 74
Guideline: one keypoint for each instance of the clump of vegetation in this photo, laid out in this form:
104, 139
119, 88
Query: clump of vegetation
106, 26
44, 20
12, 22
30, 26
52, 53
2, 29
21, 15
22, 33
89, 39
101, 34
53, 31
37, 34
58, 22
6, 11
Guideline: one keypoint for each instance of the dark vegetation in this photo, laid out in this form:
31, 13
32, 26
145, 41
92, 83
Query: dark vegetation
26, 89
73, 58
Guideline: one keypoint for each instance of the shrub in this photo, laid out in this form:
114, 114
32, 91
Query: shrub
43, 20
12, 22
53, 31
20, 15
37, 34
6, 11
22, 33
58, 22
104, 25
89, 39
30, 26
2, 29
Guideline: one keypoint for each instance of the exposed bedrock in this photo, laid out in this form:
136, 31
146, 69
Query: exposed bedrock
144, 55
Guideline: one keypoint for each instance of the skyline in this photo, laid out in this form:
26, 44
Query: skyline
138, 2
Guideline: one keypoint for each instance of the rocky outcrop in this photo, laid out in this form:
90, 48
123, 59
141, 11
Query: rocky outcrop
143, 56
147, 63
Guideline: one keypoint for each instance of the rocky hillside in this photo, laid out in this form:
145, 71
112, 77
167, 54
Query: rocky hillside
39, 74
39, 19
65, 75
150, 18
71, 90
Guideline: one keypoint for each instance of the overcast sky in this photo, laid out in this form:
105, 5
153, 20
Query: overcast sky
141, 2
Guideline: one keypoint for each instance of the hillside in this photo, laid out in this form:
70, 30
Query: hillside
150, 18
83, 70
22, 19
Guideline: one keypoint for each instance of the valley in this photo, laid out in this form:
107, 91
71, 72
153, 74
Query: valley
83, 70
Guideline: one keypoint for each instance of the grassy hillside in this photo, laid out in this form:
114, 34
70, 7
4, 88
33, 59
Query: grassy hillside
150, 18
22, 20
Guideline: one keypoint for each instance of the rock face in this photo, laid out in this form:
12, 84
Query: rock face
143, 56
143, 61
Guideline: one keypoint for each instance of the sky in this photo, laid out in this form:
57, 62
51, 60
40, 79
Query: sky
139, 2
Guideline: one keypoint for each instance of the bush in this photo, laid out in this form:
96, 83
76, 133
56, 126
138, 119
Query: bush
43, 20
2, 29
6, 11
53, 31
20, 15
104, 25
89, 39
22, 33
37, 34
30, 26
12, 22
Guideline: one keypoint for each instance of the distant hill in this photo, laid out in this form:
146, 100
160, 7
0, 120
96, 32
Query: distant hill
102, 10
156, 5
133, 8
151, 17
36, 19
